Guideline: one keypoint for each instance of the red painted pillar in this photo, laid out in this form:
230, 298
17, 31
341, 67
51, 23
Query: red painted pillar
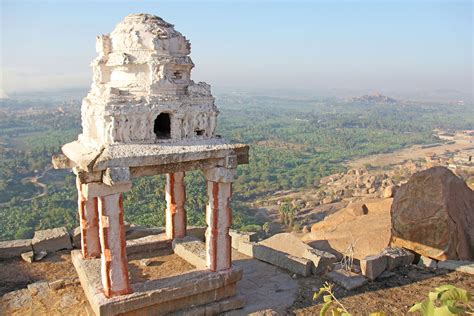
114, 271
89, 224
175, 200
219, 219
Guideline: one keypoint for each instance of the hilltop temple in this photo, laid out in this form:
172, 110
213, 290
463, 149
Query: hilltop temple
145, 116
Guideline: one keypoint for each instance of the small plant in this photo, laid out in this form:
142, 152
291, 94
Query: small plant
266, 228
445, 300
296, 227
332, 304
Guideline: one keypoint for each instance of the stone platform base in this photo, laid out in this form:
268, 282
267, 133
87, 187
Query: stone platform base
197, 292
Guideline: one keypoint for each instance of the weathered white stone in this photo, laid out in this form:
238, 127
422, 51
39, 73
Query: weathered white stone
116, 176
97, 189
220, 174
51, 240
14, 248
144, 63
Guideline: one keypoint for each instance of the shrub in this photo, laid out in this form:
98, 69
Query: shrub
445, 300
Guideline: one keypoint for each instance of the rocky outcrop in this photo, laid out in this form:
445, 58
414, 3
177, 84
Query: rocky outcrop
433, 215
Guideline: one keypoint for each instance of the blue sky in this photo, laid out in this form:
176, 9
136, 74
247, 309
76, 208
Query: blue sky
358, 45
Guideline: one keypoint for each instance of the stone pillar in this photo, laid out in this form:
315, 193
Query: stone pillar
175, 200
219, 218
114, 268
89, 224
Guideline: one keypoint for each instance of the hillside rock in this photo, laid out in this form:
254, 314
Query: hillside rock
433, 215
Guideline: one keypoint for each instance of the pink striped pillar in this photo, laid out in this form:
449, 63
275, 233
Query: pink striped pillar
89, 224
175, 200
219, 219
114, 271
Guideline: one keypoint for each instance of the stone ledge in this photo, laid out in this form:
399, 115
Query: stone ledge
14, 248
191, 289
51, 240
191, 250
142, 155
283, 260
148, 244
460, 266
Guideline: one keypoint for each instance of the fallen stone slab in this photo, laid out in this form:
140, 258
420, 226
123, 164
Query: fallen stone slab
247, 248
283, 260
51, 240
56, 285
426, 262
136, 231
238, 237
348, 280
290, 244
14, 248
455, 265
398, 257
373, 266
228, 306
40, 255
196, 232
192, 250
157, 297
148, 244
322, 261
39, 288
28, 256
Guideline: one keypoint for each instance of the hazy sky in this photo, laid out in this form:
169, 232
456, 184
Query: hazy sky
373, 45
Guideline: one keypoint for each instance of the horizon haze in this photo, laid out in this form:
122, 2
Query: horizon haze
401, 48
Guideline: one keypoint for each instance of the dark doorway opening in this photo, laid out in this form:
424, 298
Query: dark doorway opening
162, 127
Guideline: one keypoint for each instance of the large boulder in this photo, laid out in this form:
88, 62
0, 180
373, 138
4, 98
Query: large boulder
433, 215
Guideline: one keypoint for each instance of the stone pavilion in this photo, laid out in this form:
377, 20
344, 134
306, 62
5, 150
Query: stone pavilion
145, 116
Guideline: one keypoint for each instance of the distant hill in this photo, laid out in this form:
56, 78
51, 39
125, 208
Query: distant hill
374, 98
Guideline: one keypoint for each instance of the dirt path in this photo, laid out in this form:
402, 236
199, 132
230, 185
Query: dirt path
36, 182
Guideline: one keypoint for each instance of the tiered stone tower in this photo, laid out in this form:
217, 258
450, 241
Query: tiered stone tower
145, 116
142, 90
